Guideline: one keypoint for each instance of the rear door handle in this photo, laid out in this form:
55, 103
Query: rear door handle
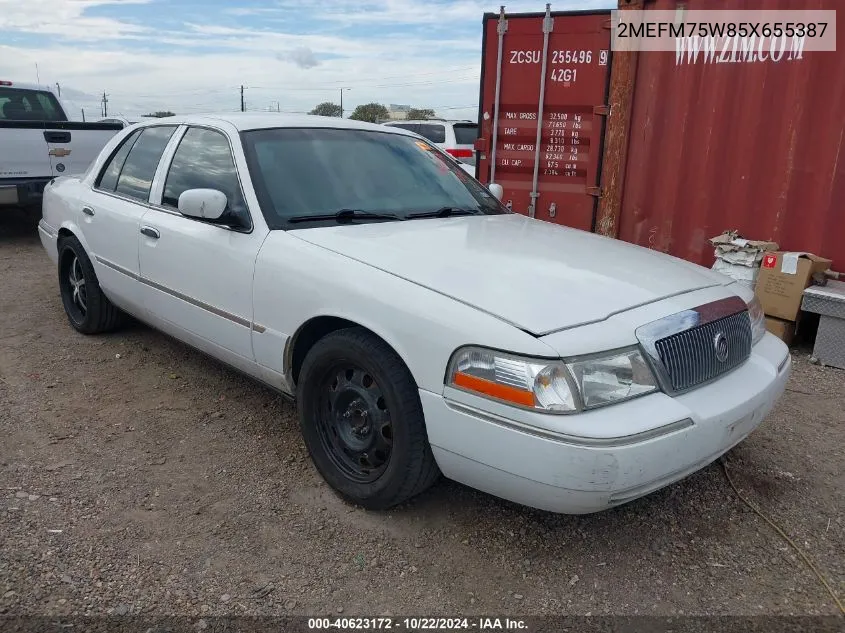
88, 211
150, 232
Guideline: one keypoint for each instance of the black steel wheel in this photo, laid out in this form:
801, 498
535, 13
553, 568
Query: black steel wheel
354, 423
88, 309
362, 420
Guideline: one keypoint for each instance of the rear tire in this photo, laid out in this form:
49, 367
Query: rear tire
88, 309
362, 420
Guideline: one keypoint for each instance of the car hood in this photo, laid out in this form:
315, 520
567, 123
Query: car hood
538, 276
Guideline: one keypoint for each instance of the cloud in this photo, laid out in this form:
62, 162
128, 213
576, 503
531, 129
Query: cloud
303, 57
73, 93
66, 18
415, 12
190, 57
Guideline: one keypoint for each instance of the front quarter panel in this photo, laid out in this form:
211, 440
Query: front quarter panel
296, 281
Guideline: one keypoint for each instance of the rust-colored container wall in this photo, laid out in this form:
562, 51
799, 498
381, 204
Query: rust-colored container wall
754, 146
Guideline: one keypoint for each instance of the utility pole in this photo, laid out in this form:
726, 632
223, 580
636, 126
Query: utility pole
341, 100
105, 104
243, 107
83, 115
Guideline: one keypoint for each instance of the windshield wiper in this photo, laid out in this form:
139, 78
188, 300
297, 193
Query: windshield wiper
443, 212
344, 215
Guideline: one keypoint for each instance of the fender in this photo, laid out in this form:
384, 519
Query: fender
290, 343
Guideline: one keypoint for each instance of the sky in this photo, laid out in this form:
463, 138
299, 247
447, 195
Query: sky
193, 55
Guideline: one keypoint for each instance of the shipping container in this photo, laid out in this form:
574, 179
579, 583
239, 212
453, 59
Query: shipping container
544, 86
660, 149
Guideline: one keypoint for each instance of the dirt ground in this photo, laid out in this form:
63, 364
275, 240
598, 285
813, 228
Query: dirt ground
139, 477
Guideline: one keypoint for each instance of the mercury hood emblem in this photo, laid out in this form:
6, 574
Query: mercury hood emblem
720, 344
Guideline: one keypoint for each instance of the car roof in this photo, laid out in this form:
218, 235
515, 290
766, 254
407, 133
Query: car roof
243, 121
25, 86
400, 121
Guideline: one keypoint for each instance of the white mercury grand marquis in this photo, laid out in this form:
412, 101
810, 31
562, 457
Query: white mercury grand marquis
421, 326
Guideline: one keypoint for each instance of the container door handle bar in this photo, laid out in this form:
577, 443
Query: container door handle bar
501, 29
548, 27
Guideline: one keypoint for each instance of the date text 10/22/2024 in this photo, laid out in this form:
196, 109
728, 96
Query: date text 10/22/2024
418, 624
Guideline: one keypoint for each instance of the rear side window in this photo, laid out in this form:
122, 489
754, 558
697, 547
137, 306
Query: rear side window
29, 105
108, 177
136, 177
204, 161
433, 132
465, 133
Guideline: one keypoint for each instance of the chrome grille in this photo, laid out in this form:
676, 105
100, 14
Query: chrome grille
690, 358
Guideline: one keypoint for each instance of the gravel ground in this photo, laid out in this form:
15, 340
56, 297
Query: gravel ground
139, 477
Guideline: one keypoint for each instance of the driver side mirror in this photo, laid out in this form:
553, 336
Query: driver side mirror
496, 190
206, 204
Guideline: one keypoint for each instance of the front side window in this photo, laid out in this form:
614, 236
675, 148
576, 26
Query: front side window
302, 172
136, 177
203, 160
108, 177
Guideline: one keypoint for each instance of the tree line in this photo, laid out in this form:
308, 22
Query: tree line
371, 112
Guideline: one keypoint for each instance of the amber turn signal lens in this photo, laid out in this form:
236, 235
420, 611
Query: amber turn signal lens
494, 390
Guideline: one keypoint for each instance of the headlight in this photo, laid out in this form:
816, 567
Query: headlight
758, 320
552, 386
531, 383
607, 379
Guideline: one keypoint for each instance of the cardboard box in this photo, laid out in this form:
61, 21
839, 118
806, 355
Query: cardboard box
782, 280
733, 249
784, 330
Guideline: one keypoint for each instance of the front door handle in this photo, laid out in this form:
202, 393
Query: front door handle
88, 211
150, 232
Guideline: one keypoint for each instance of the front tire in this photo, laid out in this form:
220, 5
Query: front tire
362, 420
88, 309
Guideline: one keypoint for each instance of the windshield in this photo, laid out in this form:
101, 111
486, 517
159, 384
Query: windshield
320, 171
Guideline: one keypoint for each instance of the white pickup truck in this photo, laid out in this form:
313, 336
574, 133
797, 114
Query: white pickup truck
38, 143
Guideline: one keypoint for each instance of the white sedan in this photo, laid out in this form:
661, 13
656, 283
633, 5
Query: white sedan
421, 326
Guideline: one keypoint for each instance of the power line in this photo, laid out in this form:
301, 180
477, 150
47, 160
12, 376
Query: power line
442, 71
367, 86
169, 93
329, 85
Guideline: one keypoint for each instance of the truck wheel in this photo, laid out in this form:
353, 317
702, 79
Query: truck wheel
88, 309
362, 420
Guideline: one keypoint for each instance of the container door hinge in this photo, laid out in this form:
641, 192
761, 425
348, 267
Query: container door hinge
502, 26
598, 192
601, 110
548, 21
